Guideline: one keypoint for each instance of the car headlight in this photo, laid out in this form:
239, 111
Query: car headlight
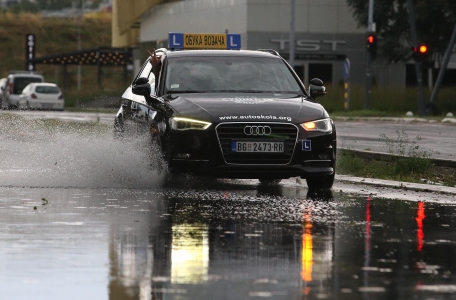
179, 123
323, 125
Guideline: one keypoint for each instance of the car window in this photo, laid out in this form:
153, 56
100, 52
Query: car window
47, 90
21, 82
229, 74
26, 89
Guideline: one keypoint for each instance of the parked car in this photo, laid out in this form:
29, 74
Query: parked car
232, 114
15, 83
2, 90
41, 96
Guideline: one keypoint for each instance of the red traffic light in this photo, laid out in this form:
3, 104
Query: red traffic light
421, 49
371, 39
421, 53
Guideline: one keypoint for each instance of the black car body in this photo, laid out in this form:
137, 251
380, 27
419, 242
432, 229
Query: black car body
211, 114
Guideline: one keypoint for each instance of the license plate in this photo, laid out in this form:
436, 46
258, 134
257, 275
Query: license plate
267, 147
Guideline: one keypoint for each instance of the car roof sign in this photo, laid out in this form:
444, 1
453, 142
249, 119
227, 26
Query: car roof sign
204, 41
234, 41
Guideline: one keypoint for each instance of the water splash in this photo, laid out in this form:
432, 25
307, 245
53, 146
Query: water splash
51, 153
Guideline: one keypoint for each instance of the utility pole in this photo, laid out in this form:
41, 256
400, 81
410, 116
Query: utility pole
419, 76
370, 29
446, 59
291, 61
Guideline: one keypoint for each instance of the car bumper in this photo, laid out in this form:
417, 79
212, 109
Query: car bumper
253, 171
203, 153
42, 105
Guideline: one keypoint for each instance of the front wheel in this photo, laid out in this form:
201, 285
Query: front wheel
320, 182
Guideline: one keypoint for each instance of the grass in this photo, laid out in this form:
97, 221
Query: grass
55, 36
405, 163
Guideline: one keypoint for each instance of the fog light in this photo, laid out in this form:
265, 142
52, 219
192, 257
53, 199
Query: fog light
182, 155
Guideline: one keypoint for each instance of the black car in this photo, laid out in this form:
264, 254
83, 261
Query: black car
233, 114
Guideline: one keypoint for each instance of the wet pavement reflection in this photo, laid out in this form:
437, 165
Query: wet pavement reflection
236, 240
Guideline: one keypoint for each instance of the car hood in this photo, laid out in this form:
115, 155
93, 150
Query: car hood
246, 107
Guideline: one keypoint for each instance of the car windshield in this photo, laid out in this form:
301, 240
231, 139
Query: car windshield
21, 82
229, 74
47, 89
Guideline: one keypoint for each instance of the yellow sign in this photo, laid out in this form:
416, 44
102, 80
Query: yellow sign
204, 41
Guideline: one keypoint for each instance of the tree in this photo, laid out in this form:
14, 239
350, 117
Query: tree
55, 4
435, 20
24, 6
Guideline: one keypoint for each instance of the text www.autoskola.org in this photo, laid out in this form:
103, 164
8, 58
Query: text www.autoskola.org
255, 117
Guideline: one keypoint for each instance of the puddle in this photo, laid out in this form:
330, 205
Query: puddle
198, 243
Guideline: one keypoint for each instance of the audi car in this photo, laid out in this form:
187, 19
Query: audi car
232, 114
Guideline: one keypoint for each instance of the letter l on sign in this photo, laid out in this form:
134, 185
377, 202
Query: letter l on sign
175, 42
306, 145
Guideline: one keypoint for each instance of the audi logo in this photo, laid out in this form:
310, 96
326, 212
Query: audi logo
257, 130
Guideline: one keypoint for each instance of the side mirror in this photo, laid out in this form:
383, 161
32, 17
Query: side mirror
316, 88
141, 87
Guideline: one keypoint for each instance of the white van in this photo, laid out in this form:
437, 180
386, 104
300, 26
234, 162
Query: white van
16, 82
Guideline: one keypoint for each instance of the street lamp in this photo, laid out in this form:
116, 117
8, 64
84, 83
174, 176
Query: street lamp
79, 42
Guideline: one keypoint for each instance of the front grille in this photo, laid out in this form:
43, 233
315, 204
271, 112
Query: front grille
228, 132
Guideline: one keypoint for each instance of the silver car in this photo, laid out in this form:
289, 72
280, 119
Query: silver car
41, 96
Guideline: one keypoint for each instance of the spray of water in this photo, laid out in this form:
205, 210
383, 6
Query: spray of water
50, 153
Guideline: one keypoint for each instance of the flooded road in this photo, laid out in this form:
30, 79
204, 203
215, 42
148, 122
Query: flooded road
87, 216
235, 241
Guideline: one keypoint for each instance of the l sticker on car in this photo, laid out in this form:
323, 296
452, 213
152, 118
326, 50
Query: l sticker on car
306, 145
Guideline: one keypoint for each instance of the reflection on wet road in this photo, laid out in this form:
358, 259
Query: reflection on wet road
236, 240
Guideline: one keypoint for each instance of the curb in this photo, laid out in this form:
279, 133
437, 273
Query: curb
447, 120
419, 187
383, 156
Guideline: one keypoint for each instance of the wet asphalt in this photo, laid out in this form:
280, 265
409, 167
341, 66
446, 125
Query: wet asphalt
236, 240
87, 216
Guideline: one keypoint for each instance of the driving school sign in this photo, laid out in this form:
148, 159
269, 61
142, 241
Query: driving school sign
204, 41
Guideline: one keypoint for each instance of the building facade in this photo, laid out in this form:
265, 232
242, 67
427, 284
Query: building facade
325, 33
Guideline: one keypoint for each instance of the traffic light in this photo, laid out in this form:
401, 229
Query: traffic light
421, 53
372, 44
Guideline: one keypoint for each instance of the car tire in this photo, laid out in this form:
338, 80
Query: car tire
320, 182
268, 181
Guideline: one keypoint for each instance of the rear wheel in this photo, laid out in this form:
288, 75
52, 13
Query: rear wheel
320, 182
